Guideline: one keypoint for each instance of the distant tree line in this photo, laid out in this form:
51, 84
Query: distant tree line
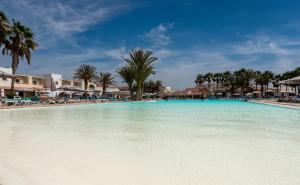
137, 69
241, 79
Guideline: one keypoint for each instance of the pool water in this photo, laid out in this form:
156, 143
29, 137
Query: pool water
151, 143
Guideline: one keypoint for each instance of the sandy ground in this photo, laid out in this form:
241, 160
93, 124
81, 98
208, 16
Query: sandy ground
276, 103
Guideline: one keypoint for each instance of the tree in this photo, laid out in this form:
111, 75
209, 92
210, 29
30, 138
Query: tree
152, 86
208, 78
263, 79
106, 79
276, 80
200, 79
217, 77
19, 45
5, 28
128, 75
257, 80
142, 64
228, 81
268, 76
158, 86
243, 78
85, 73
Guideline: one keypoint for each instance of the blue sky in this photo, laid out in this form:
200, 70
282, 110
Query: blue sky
189, 37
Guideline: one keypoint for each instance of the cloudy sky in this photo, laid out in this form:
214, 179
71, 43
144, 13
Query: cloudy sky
189, 37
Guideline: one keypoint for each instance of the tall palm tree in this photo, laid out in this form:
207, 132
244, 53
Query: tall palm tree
106, 79
276, 80
243, 78
127, 74
225, 79
4, 28
208, 78
158, 86
217, 78
19, 45
257, 76
85, 73
142, 63
200, 79
152, 86
149, 86
268, 76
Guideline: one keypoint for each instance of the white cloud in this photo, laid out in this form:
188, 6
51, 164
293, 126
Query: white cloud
59, 20
158, 35
262, 44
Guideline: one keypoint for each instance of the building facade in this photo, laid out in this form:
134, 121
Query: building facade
25, 85
52, 85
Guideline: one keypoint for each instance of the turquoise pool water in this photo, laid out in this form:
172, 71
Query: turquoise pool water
161, 143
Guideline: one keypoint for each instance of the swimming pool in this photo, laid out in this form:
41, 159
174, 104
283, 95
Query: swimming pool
161, 143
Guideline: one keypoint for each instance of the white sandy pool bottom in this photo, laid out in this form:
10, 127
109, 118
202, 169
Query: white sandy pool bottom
104, 151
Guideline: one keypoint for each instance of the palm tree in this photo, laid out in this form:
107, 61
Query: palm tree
19, 45
142, 63
106, 79
268, 76
149, 86
228, 81
158, 86
263, 79
200, 79
85, 73
208, 78
276, 80
153, 86
217, 78
257, 77
4, 28
243, 78
127, 74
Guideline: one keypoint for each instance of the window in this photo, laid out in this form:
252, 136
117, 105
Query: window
17, 80
4, 79
34, 82
56, 83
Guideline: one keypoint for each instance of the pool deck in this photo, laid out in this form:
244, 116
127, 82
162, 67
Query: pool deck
276, 103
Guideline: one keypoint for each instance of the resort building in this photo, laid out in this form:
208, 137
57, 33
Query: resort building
52, 85
115, 92
290, 87
60, 87
25, 85
188, 93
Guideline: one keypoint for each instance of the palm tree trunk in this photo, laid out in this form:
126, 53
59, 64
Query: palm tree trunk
14, 67
130, 88
131, 94
139, 91
262, 89
103, 89
85, 84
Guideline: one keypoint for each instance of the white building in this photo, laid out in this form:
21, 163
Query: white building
69, 88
